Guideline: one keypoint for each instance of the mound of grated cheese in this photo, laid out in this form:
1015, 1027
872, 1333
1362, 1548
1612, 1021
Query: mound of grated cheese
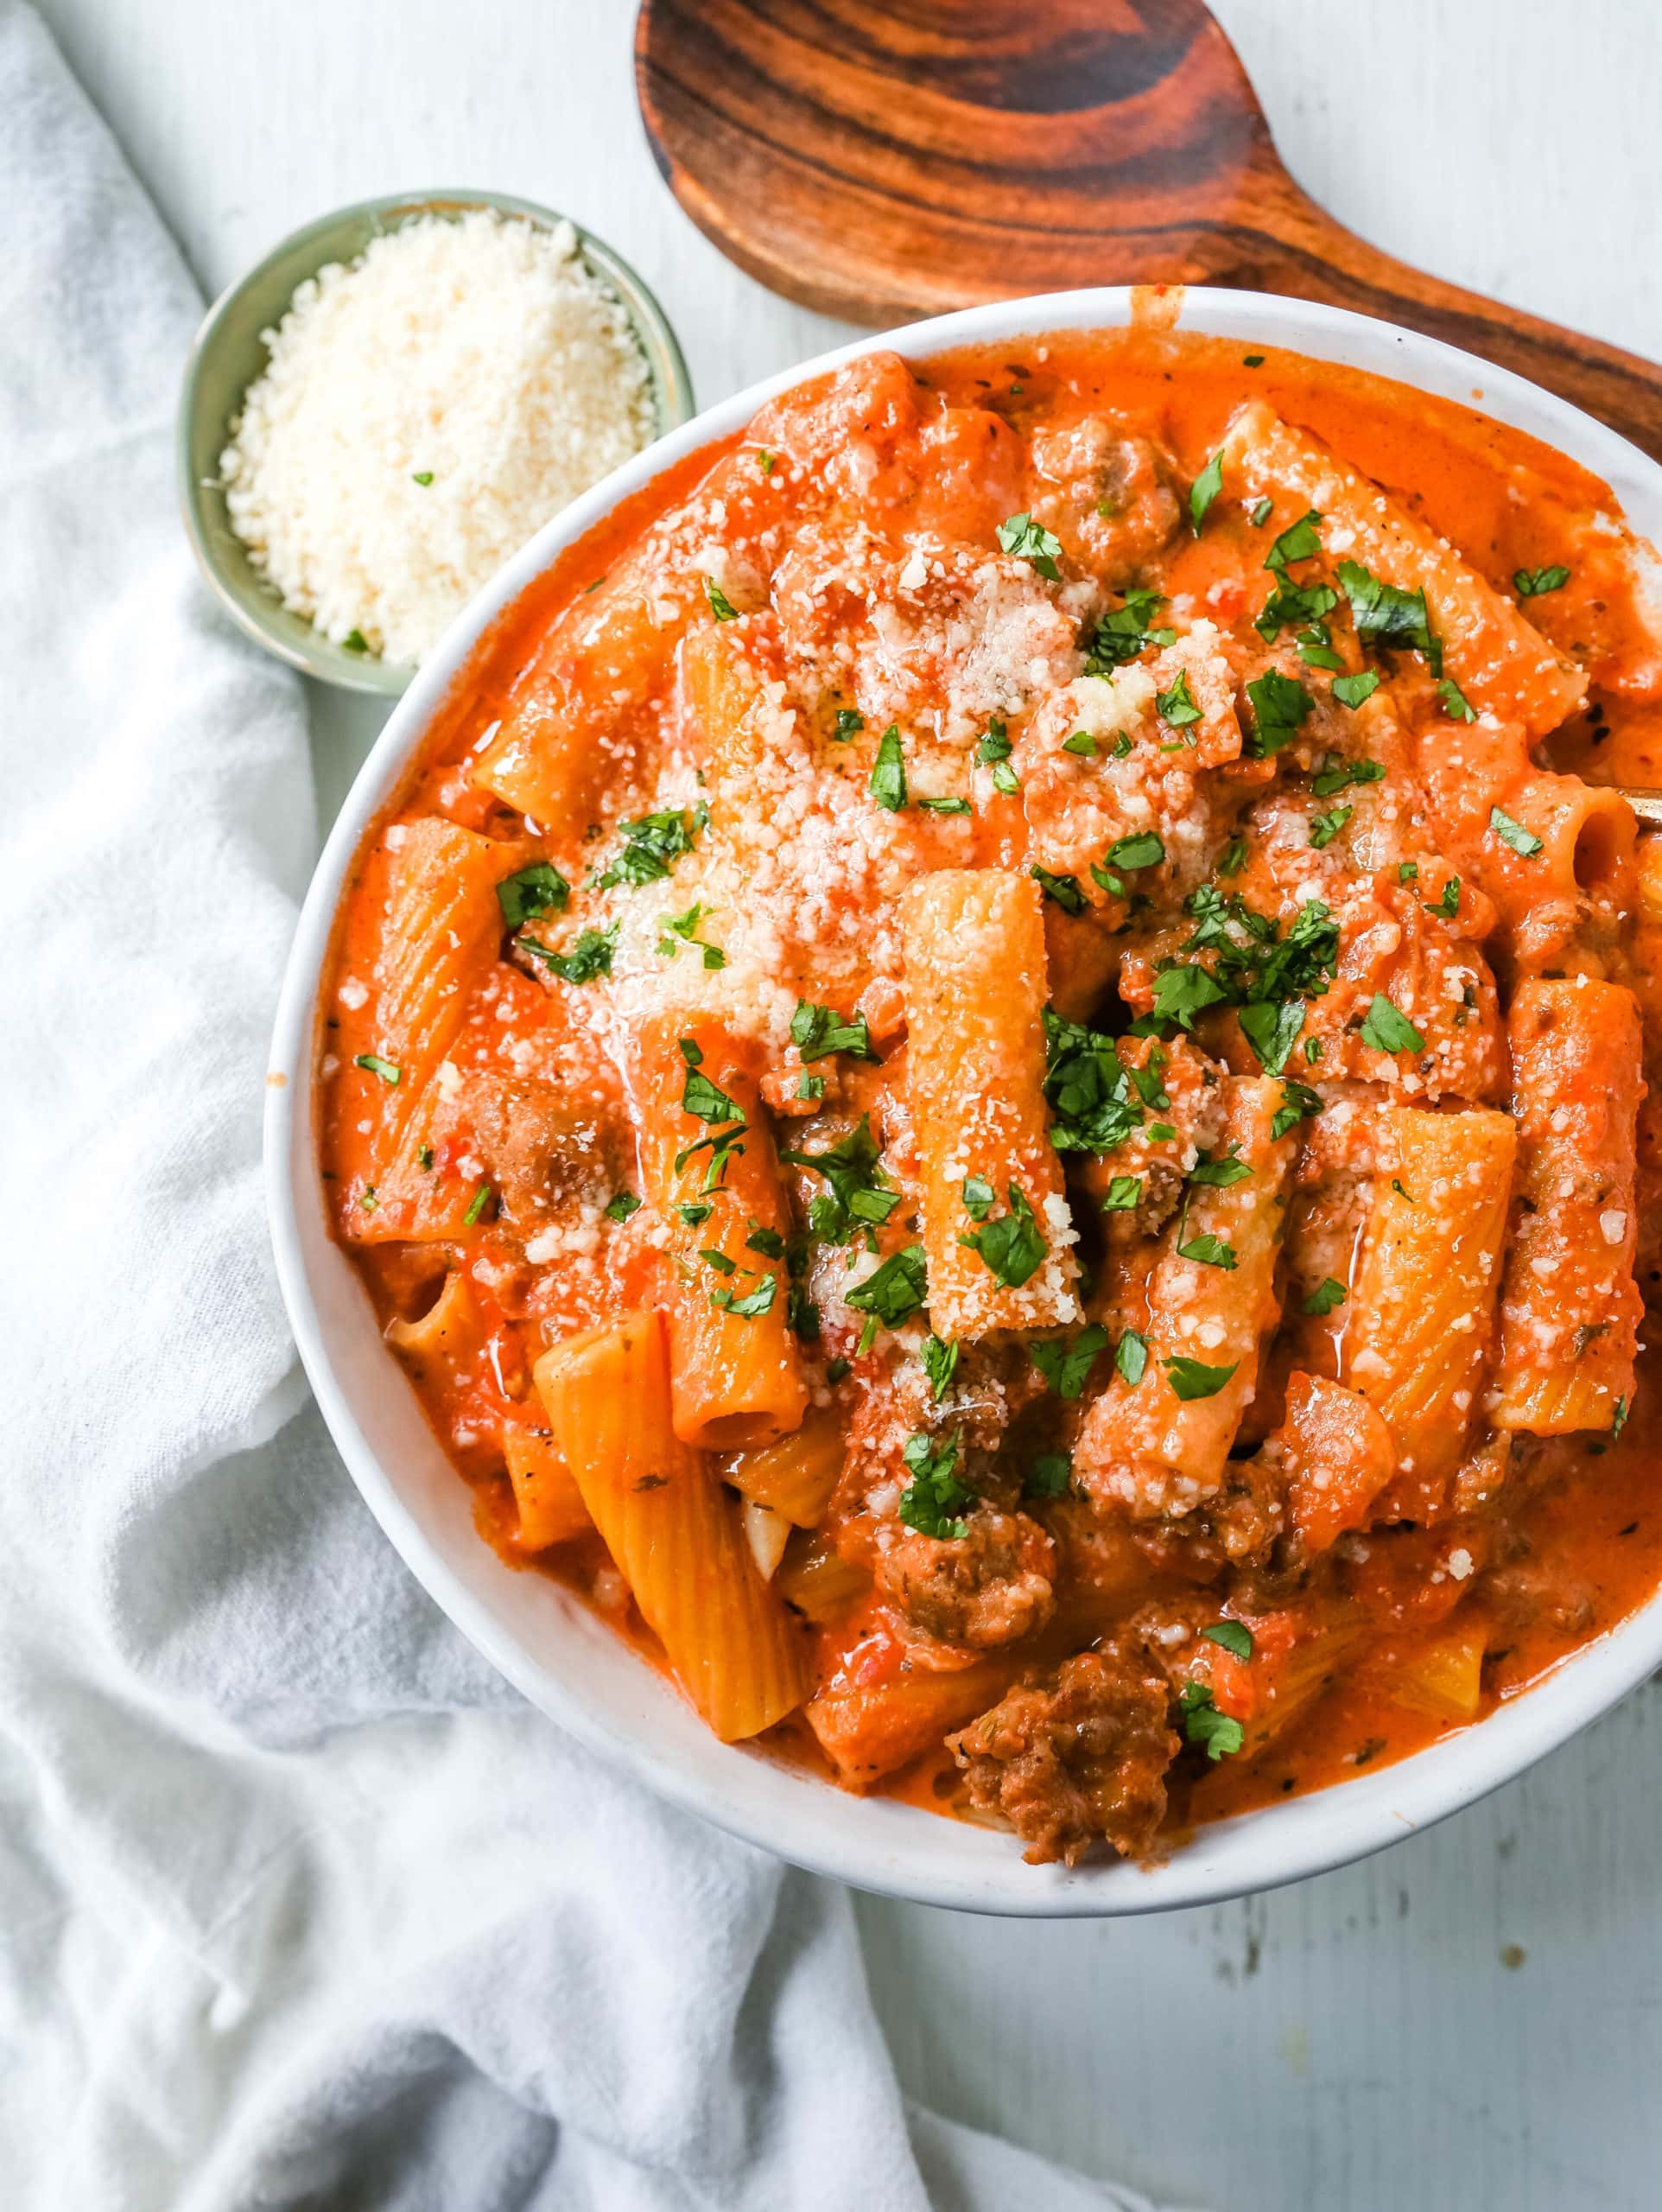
424, 411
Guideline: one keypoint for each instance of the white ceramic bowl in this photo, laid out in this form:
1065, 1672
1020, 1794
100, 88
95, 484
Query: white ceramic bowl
561, 1657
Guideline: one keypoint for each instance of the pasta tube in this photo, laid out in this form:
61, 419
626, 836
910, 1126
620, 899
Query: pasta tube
672, 1527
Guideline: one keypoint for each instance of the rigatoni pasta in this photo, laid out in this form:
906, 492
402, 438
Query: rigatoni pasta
999, 1085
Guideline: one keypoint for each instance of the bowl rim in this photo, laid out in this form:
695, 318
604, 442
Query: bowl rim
874, 1843
315, 655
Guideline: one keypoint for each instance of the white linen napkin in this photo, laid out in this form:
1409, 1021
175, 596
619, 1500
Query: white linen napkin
299, 1904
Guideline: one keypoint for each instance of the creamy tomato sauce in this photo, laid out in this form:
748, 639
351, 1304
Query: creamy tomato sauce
1059, 914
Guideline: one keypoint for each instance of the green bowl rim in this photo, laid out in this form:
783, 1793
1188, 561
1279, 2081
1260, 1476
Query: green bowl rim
331, 663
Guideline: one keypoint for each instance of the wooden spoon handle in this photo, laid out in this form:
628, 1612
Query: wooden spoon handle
1290, 245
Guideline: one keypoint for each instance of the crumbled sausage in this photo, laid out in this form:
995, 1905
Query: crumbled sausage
1076, 1756
977, 1592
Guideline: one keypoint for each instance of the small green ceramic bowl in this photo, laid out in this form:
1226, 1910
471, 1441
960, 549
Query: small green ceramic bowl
229, 353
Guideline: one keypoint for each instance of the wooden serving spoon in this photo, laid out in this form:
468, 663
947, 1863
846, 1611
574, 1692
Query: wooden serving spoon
885, 159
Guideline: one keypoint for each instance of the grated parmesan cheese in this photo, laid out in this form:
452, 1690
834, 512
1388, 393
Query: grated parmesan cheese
481, 353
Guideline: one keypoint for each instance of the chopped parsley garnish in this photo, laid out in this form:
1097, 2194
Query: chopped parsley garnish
424, 1158
837, 1370
1124, 635
1144, 850
651, 844
1324, 828
694, 1211
1066, 1367
1093, 1098
1205, 489
1297, 542
1280, 705
1263, 509
1219, 1174
1298, 1103
1131, 1356
1082, 743
1619, 1418
590, 955
1522, 841
765, 461
1267, 978
1026, 540
422, 476
898, 1289
1180, 992
945, 805
1217, 1734
810, 1086
1352, 691
538, 889
1455, 704
1176, 707
1407, 1197
480, 1199
621, 1204
994, 752
367, 1198
1387, 1029
1064, 889
1337, 775
1049, 1476
939, 1363
819, 1031
721, 605
1407, 871
978, 1197
1448, 904
1291, 605
1530, 583
1124, 1194
1012, 1247
684, 928
1190, 1378
355, 642
1233, 1637
754, 1303
1234, 857
373, 1064
1385, 616
858, 1188
1208, 1251
934, 1498
849, 724
767, 1241
1251, 361
888, 783
1325, 1298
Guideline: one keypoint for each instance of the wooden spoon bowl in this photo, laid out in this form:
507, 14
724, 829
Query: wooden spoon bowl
885, 159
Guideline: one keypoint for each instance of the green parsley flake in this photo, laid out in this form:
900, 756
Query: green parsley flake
1205, 489
1049, 1476
1233, 1637
480, 1199
1298, 542
1261, 512
1066, 1367
1386, 1029
721, 605
1455, 704
1146, 849
849, 724
753, 1306
355, 642
1026, 540
1280, 705
888, 781
1352, 691
1337, 775
1298, 1102
538, 889
1064, 889
856, 1183
1325, 1298
939, 1363
1190, 1379
819, 1031
1124, 1195
651, 844
893, 1294
1448, 904
1012, 1247
1204, 1723
1124, 635
1081, 743
978, 1197
621, 1205
373, 1064
422, 476
1219, 1174
590, 955
934, 1498
1385, 616
1176, 707
1208, 1251
945, 805
1530, 583
1130, 1357
1324, 828
1522, 841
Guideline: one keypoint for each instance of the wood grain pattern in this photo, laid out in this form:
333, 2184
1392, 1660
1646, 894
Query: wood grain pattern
885, 159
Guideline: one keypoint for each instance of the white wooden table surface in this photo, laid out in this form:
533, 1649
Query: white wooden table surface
1472, 2023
